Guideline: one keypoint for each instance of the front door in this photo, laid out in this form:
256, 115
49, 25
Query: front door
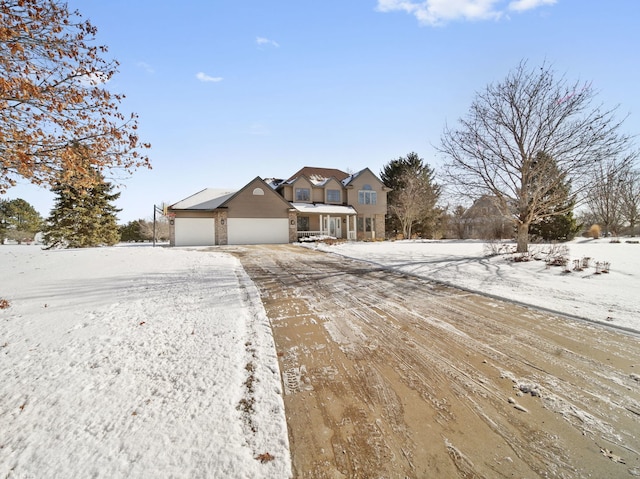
335, 227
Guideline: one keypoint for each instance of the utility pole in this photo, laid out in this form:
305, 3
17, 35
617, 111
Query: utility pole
156, 210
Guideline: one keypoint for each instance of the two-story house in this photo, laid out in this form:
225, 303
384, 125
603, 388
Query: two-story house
314, 202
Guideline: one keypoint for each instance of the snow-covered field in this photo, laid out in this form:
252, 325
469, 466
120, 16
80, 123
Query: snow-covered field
133, 361
136, 362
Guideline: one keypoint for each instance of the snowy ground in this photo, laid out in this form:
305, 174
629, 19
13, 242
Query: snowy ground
611, 298
135, 361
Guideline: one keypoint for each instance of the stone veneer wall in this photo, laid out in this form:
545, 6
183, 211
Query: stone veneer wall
293, 227
221, 228
380, 227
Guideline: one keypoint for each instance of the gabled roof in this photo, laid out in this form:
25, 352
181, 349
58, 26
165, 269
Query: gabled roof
207, 199
319, 175
350, 178
212, 198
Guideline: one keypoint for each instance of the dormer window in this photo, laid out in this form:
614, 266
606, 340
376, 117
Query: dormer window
303, 194
333, 196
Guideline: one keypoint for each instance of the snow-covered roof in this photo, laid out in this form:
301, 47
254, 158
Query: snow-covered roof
316, 174
351, 177
207, 199
274, 182
324, 209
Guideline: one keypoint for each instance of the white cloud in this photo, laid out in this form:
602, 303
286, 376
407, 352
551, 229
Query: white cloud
203, 77
266, 41
439, 12
522, 5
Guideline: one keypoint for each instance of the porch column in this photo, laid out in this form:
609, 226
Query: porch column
320, 225
348, 235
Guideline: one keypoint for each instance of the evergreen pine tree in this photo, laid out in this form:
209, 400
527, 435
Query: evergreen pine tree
560, 227
83, 217
558, 222
18, 220
412, 201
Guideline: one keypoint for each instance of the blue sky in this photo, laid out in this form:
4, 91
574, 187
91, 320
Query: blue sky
228, 90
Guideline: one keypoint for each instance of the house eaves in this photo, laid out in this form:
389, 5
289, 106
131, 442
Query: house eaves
205, 200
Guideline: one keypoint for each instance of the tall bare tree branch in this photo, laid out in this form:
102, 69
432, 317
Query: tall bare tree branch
496, 148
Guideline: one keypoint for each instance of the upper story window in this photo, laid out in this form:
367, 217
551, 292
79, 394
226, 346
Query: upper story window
333, 196
366, 196
303, 194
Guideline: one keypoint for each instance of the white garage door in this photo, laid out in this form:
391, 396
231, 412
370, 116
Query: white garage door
195, 231
258, 230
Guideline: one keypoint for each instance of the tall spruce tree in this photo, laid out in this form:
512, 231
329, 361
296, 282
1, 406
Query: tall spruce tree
550, 185
83, 217
414, 196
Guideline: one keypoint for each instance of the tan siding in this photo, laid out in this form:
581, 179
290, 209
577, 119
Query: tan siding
301, 183
287, 193
381, 201
247, 205
334, 185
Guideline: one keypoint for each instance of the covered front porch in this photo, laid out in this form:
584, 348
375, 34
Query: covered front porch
323, 220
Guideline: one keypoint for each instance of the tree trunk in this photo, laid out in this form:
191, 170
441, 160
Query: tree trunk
523, 238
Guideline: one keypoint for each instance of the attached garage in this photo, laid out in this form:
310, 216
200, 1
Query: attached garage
258, 230
255, 214
195, 232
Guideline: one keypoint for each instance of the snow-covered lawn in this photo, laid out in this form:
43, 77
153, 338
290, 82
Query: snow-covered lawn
135, 361
610, 298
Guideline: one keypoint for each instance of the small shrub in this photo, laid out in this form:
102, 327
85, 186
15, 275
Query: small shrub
557, 260
594, 232
495, 248
521, 258
4, 304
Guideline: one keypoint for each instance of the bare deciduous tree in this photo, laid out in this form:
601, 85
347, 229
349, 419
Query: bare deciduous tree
605, 197
520, 130
631, 199
416, 201
459, 222
53, 97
